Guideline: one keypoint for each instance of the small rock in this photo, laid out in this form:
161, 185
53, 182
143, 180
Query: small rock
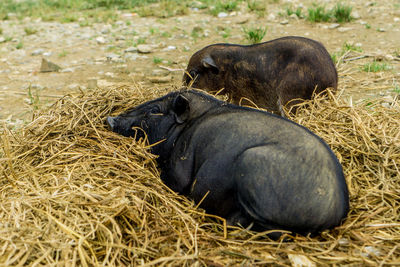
73, 86
131, 49
2, 39
271, 17
48, 66
284, 22
100, 40
344, 29
67, 70
169, 48
355, 15
395, 20
381, 30
362, 22
111, 57
159, 72
144, 49
158, 79
389, 57
120, 38
37, 52
106, 29
242, 20
334, 26
294, 16
388, 98
222, 15
37, 86
47, 54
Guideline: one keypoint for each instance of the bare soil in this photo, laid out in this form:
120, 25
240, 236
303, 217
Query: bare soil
97, 55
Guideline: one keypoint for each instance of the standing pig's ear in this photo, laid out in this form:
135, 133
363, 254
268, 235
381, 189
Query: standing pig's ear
180, 106
209, 63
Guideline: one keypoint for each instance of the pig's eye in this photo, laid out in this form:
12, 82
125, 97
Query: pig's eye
155, 110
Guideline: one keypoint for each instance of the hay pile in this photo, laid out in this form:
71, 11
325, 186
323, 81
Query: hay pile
74, 193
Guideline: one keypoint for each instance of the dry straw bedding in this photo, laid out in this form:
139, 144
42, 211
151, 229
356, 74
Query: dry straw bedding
74, 193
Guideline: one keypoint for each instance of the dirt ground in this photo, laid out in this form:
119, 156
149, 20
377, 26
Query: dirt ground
103, 54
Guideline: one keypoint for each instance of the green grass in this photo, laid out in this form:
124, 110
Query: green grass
396, 88
55, 9
30, 31
34, 99
342, 13
20, 45
339, 13
350, 47
64, 53
164, 9
298, 11
157, 60
346, 48
255, 35
257, 6
317, 13
375, 67
197, 32
223, 6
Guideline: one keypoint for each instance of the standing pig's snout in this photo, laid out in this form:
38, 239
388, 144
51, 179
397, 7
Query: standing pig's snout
111, 122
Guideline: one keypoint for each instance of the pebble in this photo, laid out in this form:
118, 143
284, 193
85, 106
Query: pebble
101, 40
222, 15
355, 15
48, 66
144, 49
284, 22
112, 57
131, 49
344, 29
73, 86
2, 39
334, 26
67, 70
381, 30
159, 72
37, 52
169, 48
271, 17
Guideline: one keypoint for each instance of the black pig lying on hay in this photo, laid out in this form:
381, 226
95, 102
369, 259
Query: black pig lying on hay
270, 74
246, 165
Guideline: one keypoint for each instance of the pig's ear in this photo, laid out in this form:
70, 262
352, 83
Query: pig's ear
180, 107
209, 63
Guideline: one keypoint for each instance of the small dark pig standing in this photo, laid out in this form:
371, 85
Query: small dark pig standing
250, 166
271, 74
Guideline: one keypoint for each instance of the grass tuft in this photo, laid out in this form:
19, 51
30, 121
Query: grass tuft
255, 35
342, 12
317, 13
376, 66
